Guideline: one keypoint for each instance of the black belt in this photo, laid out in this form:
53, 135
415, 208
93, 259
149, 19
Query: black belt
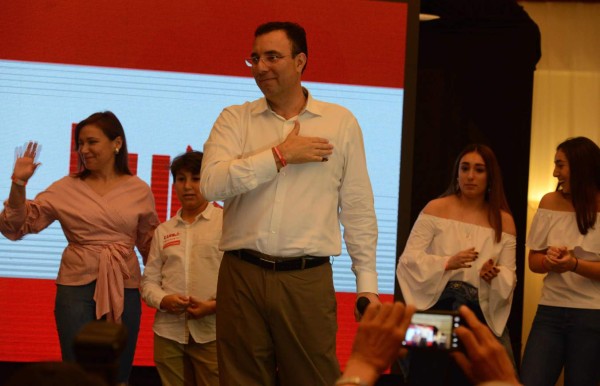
276, 263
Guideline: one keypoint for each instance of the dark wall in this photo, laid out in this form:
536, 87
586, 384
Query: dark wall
474, 84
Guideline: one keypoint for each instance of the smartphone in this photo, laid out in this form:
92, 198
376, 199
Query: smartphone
433, 330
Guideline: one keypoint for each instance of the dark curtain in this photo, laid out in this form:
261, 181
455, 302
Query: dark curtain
475, 84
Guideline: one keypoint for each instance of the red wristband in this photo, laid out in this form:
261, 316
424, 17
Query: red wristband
17, 181
280, 156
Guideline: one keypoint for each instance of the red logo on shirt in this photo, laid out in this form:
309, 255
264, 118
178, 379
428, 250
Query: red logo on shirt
171, 239
171, 243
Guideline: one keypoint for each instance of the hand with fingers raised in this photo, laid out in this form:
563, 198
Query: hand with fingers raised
25, 162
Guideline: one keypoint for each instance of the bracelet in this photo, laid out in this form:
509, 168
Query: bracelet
350, 381
280, 156
17, 181
576, 264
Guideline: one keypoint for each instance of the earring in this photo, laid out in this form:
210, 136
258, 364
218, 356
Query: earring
116, 151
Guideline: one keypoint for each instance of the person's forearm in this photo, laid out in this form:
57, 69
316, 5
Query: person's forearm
211, 308
361, 244
17, 195
536, 261
14, 214
222, 179
589, 269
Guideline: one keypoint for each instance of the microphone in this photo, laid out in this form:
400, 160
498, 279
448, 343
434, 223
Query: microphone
361, 304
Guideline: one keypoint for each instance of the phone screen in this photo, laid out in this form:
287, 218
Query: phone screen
432, 330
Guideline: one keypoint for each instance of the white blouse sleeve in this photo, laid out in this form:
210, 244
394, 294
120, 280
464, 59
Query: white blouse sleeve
537, 238
421, 275
495, 298
152, 291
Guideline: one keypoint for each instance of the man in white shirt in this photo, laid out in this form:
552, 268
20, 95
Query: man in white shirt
290, 169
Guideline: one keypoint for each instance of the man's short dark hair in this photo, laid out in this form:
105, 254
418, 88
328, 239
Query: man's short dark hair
294, 31
190, 161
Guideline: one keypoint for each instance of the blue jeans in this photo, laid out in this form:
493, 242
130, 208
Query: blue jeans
75, 307
458, 293
560, 336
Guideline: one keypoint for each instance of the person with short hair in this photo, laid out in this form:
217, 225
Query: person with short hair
180, 281
290, 170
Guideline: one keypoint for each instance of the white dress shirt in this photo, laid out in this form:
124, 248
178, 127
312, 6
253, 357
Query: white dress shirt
298, 210
184, 259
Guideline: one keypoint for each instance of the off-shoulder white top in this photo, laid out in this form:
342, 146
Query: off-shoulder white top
433, 240
568, 289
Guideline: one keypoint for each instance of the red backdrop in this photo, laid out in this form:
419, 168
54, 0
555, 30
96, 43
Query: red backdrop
350, 42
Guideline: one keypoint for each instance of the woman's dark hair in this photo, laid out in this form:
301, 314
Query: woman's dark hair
190, 161
494, 194
294, 32
112, 128
584, 171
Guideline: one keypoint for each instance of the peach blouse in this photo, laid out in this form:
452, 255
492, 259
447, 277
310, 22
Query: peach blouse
102, 232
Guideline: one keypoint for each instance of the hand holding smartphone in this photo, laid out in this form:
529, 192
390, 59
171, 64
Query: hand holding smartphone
432, 330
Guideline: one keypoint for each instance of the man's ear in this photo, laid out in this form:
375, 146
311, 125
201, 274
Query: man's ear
300, 61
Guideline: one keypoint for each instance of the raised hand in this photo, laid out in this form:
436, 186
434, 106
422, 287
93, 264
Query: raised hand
462, 259
25, 161
297, 149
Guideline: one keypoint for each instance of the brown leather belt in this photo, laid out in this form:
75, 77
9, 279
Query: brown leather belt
277, 263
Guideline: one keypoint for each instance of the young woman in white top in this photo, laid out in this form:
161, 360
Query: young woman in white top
461, 249
564, 243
